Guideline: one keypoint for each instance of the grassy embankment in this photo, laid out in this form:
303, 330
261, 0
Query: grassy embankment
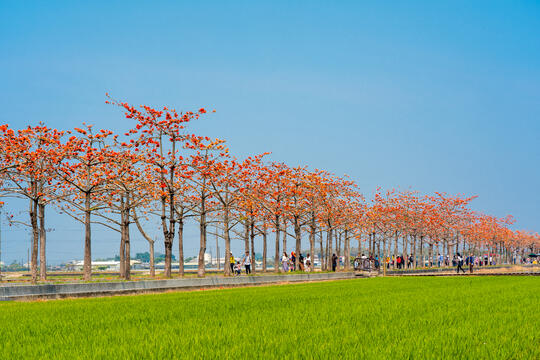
427, 318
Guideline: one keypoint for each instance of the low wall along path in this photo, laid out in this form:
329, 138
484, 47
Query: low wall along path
57, 291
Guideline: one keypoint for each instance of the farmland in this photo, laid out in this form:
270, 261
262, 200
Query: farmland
488, 317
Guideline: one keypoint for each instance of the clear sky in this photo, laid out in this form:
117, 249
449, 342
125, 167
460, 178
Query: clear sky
432, 95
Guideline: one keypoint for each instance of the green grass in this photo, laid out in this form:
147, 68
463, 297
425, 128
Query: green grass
380, 318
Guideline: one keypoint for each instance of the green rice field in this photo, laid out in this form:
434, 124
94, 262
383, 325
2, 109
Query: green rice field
379, 318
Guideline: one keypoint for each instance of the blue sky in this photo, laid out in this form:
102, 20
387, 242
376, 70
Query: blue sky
436, 96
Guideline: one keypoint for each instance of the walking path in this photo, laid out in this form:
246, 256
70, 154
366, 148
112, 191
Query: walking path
501, 270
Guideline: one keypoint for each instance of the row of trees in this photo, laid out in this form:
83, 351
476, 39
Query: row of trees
158, 169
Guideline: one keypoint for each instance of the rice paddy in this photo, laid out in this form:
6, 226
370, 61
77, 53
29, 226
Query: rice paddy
379, 318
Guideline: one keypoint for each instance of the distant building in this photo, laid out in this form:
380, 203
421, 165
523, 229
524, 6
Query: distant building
110, 265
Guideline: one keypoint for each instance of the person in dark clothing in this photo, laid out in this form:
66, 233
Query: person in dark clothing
334, 262
301, 262
459, 261
470, 261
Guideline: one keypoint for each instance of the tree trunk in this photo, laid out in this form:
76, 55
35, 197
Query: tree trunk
168, 257
298, 236
181, 245
201, 270
385, 252
321, 255
150, 243
127, 258
338, 248
181, 242
329, 247
35, 240
422, 251
415, 263
226, 235
264, 248
405, 250
42, 244
122, 251
347, 262
276, 252
217, 248
127, 240
246, 236
252, 239
166, 239
395, 249
430, 262
87, 267
152, 264
285, 235
312, 241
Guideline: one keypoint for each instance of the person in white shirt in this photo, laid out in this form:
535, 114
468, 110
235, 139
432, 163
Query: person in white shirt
459, 263
247, 263
285, 262
307, 263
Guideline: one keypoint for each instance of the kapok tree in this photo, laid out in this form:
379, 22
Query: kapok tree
271, 187
126, 190
28, 158
162, 132
84, 170
296, 205
207, 153
228, 181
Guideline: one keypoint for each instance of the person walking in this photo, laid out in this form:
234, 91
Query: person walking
307, 263
247, 263
232, 262
293, 261
334, 262
285, 262
459, 261
470, 261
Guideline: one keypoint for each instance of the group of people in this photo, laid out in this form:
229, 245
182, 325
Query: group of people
288, 263
402, 262
471, 260
236, 266
361, 261
477, 260
399, 261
